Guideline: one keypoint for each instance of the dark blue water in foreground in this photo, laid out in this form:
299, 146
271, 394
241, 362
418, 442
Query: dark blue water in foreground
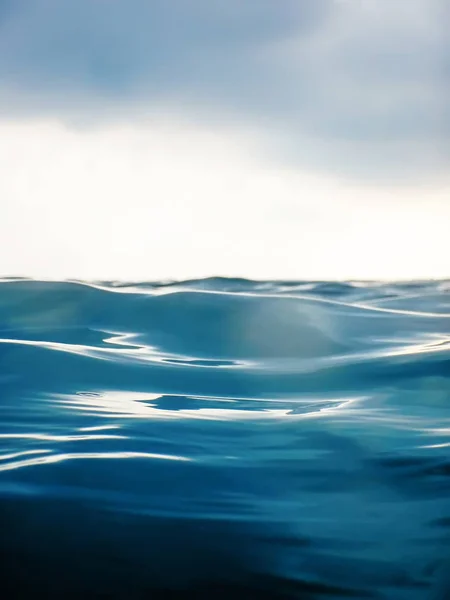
225, 438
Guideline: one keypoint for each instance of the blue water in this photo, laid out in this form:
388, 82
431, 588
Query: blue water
225, 438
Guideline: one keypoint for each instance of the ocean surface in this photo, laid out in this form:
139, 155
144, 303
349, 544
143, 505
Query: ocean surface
225, 439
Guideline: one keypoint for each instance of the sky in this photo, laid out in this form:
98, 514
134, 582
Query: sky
298, 139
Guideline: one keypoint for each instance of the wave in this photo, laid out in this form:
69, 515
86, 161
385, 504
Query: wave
225, 437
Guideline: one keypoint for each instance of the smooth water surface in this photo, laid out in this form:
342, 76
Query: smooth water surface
225, 438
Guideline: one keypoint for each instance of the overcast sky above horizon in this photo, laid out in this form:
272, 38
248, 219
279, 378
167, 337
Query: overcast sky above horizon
157, 139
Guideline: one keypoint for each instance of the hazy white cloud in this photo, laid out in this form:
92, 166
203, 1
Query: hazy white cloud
162, 199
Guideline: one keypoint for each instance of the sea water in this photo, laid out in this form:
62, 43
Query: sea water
225, 438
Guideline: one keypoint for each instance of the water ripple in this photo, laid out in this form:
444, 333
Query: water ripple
271, 439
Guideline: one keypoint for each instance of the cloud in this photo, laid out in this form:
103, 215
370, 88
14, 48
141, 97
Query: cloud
352, 88
159, 200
